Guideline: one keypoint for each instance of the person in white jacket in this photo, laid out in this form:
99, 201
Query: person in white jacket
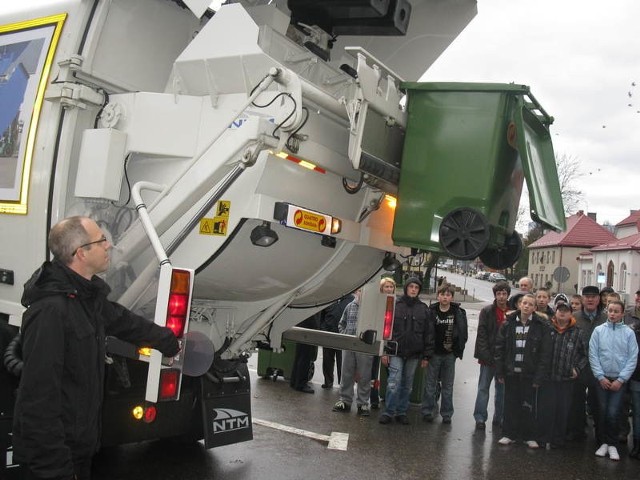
613, 354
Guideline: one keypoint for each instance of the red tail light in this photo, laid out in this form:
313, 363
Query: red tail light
169, 382
178, 304
387, 331
150, 414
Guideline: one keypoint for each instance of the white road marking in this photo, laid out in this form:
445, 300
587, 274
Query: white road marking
335, 441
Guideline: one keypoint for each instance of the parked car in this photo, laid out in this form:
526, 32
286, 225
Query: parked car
482, 275
497, 277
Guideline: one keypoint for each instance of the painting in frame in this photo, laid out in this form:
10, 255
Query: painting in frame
27, 50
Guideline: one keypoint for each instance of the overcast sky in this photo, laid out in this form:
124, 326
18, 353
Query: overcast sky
580, 58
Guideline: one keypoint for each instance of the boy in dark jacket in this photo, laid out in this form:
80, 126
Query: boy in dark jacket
523, 360
450, 338
569, 358
413, 332
489, 322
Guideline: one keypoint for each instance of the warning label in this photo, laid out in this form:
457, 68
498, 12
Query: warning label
220, 222
309, 221
206, 226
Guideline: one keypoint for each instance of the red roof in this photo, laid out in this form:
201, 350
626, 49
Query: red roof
582, 231
632, 219
632, 242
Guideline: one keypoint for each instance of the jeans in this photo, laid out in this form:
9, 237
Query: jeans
634, 387
609, 403
356, 367
441, 368
399, 385
487, 375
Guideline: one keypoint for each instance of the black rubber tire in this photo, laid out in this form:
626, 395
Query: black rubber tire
504, 257
464, 233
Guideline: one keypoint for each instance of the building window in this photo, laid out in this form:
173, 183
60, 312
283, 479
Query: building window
623, 277
553, 257
610, 272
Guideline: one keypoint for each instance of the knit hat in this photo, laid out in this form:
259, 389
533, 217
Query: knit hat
411, 280
590, 290
563, 306
560, 298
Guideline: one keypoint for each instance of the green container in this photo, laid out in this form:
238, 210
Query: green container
463, 170
417, 391
272, 364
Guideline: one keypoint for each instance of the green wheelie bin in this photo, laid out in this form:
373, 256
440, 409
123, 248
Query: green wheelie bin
468, 149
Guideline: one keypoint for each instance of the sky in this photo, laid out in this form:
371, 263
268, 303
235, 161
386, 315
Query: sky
580, 58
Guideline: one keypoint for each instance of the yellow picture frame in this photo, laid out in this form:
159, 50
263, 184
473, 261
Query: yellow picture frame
27, 50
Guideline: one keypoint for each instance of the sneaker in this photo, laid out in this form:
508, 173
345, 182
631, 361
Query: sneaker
602, 451
384, 419
375, 406
613, 453
363, 410
402, 419
506, 441
532, 444
480, 426
341, 406
446, 420
427, 418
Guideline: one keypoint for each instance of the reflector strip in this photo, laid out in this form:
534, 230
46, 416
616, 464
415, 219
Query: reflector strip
300, 161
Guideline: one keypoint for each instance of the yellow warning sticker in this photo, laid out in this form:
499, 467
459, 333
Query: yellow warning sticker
223, 208
220, 225
206, 226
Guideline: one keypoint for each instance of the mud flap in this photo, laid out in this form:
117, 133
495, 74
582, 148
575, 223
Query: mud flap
226, 405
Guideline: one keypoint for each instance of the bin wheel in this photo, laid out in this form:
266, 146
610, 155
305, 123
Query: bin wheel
464, 233
505, 256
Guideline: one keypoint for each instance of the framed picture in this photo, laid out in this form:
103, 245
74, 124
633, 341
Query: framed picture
26, 52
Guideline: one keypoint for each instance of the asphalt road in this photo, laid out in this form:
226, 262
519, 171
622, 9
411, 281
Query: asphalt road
373, 451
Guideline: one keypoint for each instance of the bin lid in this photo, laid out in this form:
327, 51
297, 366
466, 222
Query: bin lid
539, 166
465, 87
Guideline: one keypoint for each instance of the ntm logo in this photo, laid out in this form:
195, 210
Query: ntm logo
227, 420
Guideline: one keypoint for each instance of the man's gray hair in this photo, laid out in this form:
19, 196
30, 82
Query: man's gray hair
66, 237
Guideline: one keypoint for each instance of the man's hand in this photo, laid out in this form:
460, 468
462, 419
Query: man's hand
574, 373
424, 362
605, 384
385, 360
615, 385
500, 379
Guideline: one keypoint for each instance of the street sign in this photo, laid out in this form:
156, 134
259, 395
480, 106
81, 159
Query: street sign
561, 274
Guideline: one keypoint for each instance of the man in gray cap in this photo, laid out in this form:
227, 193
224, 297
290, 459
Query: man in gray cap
591, 315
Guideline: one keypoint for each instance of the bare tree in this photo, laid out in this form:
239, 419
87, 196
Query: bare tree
569, 170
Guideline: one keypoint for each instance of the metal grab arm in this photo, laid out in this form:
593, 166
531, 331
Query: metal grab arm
149, 229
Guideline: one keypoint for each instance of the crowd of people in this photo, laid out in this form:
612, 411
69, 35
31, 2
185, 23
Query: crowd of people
557, 365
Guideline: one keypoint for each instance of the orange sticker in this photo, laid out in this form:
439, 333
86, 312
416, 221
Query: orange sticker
309, 221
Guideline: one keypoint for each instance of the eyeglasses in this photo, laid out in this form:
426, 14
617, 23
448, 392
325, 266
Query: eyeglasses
96, 242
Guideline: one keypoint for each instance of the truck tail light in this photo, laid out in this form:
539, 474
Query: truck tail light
387, 330
173, 305
178, 304
169, 383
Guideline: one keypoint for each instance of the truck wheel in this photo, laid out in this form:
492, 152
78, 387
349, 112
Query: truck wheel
505, 256
464, 233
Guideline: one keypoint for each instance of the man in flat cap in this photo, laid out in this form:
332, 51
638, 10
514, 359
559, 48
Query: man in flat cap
591, 315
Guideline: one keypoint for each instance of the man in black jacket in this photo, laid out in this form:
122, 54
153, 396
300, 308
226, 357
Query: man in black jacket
450, 338
490, 320
57, 417
523, 362
330, 356
413, 332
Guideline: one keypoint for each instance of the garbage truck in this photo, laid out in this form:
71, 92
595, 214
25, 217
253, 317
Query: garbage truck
250, 166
